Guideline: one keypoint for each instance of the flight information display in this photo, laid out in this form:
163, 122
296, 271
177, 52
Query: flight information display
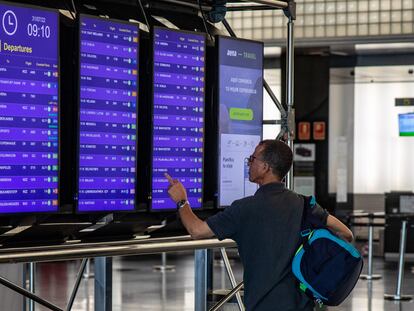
178, 115
406, 124
29, 109
108, 115
240, 99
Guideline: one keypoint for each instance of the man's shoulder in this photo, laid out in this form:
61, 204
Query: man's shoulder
285, 193
294, 195
244, 201
289, 196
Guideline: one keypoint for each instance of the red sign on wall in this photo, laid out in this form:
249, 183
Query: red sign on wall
319, 130
304, 130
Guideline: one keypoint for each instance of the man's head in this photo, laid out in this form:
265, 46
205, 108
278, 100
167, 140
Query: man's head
270, 162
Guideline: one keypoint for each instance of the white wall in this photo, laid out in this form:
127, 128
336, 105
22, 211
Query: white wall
383, 161
341, 123
270, 112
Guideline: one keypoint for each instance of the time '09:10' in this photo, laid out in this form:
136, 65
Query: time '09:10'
33, 30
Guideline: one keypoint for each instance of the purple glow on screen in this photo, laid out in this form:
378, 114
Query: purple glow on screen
108, 115
178, 137
29, 110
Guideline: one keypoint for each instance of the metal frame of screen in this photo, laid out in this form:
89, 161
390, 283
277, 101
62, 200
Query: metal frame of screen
173, 208
40, 8
217, 100
78, 118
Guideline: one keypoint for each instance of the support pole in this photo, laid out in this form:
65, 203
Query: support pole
231, 277
370, 276
87, 272
164, 267
32, 280
24, 285
397, 296
103, 284
200, 288
290, 90
29, 294
228, 297
273, 3
369, 293
77, 282
274, 98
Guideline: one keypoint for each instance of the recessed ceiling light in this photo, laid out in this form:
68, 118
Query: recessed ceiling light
384, 46
272, 50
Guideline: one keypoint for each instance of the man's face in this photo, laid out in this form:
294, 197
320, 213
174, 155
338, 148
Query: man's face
256, 165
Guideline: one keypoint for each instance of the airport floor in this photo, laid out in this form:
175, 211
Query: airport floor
136, 286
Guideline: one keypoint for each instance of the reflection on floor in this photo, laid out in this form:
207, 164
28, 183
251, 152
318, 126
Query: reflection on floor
137, 287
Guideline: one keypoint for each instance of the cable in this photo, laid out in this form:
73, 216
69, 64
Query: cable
69, 9
139, 3
204, 20
74, 7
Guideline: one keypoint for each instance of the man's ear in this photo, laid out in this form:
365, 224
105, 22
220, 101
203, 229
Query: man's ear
266, 166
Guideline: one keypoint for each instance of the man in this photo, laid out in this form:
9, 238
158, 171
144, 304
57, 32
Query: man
266, 229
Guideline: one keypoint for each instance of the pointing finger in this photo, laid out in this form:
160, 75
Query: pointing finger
169, 178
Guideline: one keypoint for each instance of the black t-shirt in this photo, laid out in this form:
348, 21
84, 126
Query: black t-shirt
266, 228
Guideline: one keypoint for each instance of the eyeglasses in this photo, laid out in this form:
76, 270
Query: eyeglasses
251, 158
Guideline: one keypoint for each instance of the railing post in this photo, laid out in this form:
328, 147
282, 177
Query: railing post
103, 284
200, 286
398, 296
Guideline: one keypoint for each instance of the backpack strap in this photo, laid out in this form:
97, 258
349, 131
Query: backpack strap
306, 227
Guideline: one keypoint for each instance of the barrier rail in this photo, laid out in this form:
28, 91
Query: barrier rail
71, 251
371, 216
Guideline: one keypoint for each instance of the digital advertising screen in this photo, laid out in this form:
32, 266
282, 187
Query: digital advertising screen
29, 109
406, 124
178, 115
240, 100
108, 95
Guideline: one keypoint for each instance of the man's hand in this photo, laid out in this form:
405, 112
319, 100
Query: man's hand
176, 189
197, 228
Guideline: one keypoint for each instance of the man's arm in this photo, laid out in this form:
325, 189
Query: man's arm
197, 228
320, 218
339, 228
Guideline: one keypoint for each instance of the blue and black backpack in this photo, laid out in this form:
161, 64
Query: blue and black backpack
326, 266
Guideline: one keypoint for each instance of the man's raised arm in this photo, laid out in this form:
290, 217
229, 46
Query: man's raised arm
197, 228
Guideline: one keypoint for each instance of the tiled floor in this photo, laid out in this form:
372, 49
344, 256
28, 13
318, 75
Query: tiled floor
137, 287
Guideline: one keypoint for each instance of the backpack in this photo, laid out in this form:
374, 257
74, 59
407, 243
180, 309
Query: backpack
326, 266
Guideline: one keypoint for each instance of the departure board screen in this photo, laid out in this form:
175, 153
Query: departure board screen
29, 109
178, 115
240, 99
108, 115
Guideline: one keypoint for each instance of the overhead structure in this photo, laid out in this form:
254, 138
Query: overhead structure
287, 111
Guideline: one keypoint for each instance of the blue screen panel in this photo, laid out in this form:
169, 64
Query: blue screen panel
178, 115
240, 99
108, 115
29, 109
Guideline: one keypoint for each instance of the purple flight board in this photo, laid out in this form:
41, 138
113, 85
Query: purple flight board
29, 109
108, 115
178, 115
